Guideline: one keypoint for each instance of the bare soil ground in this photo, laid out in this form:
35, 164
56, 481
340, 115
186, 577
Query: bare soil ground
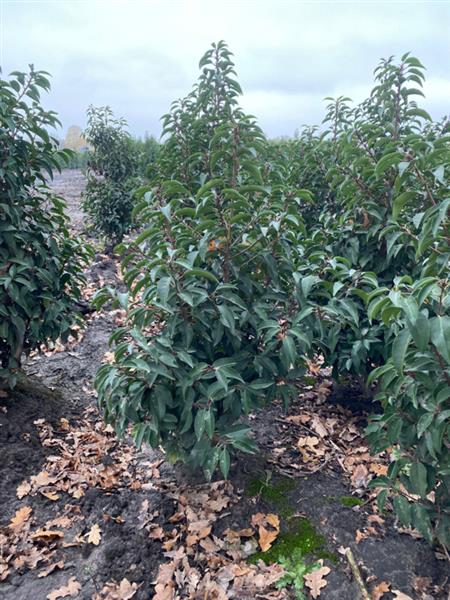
86, 515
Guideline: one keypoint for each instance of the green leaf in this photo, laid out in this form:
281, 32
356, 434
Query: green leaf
202, 274
289, 352
213, 183
224, 462
164, 288
423, 423
386, 162
403, 510
307, 283
400, 202
440, 336
210, 423
420, 331
227, 317
399, 348
200, 423
421, 521
418, 479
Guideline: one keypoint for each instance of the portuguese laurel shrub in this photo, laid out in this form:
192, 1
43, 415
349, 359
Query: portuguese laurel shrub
380, 253
255, 254
40, 263
214, 267
112, 169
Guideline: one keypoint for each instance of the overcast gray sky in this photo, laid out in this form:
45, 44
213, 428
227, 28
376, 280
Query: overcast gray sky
138, 56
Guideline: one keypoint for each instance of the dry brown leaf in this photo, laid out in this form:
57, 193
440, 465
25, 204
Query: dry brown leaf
4, 571
209, 546
117, 591
200, 529
108, 357
71, 589
42, 479
375, 519
63, 521
51, 495
319, 427
156, 533
51, 568
258, 519
64, 424
314, 367
78, 540
360, 535
95, 535
266, 538
298, 419
379, 590
378, 469
21, 517
126, 590
421, 584
274, 520
360, 476
315, 580
232, 535
23, 489
47, 535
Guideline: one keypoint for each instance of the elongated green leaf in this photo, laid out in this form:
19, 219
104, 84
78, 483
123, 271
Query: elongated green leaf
399, 348
202, 274
440, 336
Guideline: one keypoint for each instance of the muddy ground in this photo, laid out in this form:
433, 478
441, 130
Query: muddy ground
52, 413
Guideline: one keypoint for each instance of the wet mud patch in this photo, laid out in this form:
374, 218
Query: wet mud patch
21, 451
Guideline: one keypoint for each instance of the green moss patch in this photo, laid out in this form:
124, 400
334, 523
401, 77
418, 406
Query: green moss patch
274, 493
350, 501
299, 535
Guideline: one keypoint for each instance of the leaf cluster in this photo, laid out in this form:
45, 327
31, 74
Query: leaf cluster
40, 263
113, 164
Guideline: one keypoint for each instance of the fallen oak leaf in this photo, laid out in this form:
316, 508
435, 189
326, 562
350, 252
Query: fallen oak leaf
77, 541
258, 519
23, 489
50, 495
361, 535
319, 427
51, 568
47, 535
117, 591
360, 476
274, 520
315, 580
233, 536
378, 469
94, 535
379, 590
63, 521
127, 590
20, 518
71, 589
375, 519
298, 419
4, 571
266, 538
42, 479
30, 559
